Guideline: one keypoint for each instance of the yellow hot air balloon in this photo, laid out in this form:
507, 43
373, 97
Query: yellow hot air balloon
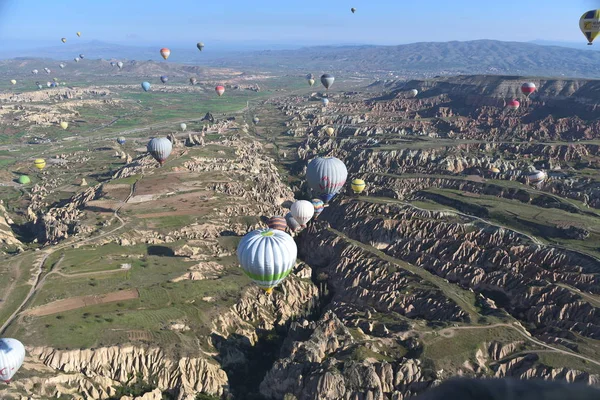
64, 40
358, 185
64, 125
13, 81
79, 34
311, 82
589, 23
39, 163
495, 170
330, 131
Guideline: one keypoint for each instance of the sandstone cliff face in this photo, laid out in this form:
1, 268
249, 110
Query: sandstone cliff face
8, 241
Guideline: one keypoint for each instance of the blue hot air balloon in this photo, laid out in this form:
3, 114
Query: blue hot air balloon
326, 176
121, 140
164, 79
145, 86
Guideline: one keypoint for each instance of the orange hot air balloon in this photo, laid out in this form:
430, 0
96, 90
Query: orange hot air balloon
220, 90
165, 53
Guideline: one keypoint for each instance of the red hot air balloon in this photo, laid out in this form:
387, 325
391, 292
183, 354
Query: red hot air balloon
220, 90
165, 53
513, 105
528, 88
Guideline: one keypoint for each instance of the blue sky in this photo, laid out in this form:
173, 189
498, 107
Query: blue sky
177, 22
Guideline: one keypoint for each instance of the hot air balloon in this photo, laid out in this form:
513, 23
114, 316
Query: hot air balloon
39, 85
39, 163
278, 223
121, 140
302, 211
200, 45
79, 34
165, 53
536, 177
49, 84
120, 64
24, 180
53, 84
513, 105
160, 148
183, 127
311, 82
55, 79
318, 205
12, 355
291, 222
62, 65
146, 86
164, 79
64, 124
220, 90
353, 10
47, 70
528, 88
112, 63
35, 72
330, 131
255, 120
326, 176
413, 92
325, 101
495, 170
358, 185
76, 59
64, 40
267, 256
193, 81
327, 80
14, 82
81, 56
589, 23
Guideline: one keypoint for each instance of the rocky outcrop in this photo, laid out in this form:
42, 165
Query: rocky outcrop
8, 241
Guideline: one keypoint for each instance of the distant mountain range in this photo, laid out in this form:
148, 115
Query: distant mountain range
413, 60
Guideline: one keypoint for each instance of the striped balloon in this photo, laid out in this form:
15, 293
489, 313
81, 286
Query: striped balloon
12, 355
358, 185
160, 149
267, 256
278, 223
527, 88
536, 176
165, 53
589, 23
326, 176
318, 205
220, 90
302, 211
291, 222
39, 163
513, 105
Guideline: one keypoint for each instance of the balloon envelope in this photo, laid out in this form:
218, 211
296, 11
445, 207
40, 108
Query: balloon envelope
291, 222
589, 23
183, 126
527, 88
302, 211
513, 105
358, 185
220, 90
14, 82
165, 53
278, 223
200, 46
24, 180
325, 101
311, 82
121, 140
326, 176
164, 78
193, 81
39, 163
353, 10
64, 40
64, 124
327, 80
12, 355
120, 64
61, 65
413, 92
536, 176
35, 71
255, 120
146, 86
160, 149
79, 34
81, 56
330, 131
318, 205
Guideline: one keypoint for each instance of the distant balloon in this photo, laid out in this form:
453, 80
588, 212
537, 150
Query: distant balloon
146, 86
120, 64
24, 180
589, 23
330, 131
165, 53
64, 124
220, 90
528, 88
39, 163
79, 34
55, 79
513, 105
193, 81
326, 176
413, 92
121, 140
62, 65
325, 101
35, 72
39, 86
353, 10
495, 170
76, 59
47, 70
49, 84
358, 185
183, 126
164, 79
200, 46
318, 205
255, 120
64, 40
278, 223
112, 63
302, 211
160, 149
310, 76
327, 80
53, 84
81, 56
291, 222
267, 256
536, 177
12, 355
311, 82
13, 81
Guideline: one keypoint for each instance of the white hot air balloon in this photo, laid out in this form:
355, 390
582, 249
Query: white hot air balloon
12, 355
160, 149
267, 256
183, 127
302, 211
326, 176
